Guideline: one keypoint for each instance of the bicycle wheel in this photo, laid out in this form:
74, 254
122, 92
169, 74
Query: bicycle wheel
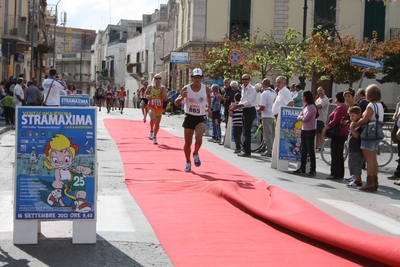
384, 154
326, 151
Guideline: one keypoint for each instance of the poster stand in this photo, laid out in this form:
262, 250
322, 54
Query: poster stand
287, 139
44, 190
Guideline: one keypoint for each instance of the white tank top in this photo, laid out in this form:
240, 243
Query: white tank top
195, 102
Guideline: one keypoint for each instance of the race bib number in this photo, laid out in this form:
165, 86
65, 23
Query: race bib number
156, 102
194, 109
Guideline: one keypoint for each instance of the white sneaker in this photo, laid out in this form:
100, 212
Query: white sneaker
155, 140
151, 135
350, 179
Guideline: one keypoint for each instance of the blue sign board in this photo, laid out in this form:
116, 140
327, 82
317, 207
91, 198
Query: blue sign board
74, 101
290, 134
179, 57
366, 62
56, 168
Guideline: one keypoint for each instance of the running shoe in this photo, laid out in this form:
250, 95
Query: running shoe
350, 179
151, 135
196, 160
354, 184
155, 140
188, 167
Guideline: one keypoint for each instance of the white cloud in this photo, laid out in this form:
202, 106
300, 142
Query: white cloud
97, 14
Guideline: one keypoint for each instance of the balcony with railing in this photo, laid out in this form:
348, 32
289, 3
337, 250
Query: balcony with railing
15, 27
118, 37
76, 56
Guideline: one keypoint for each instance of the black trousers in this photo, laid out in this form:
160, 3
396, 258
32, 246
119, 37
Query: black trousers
249, 114
337, 147
307, 147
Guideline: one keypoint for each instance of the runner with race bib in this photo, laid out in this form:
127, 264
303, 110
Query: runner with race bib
156, 94
197, 98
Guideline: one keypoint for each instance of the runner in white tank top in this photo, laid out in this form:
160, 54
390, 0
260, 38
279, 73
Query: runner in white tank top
196, 96
195, 103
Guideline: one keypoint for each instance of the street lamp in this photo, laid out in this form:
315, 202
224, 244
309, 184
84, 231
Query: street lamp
55, 26
305, 7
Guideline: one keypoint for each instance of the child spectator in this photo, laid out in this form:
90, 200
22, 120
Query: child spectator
216, 113
354, 143
237, 123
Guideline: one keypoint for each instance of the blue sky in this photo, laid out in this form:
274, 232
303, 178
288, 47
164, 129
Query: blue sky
97, 14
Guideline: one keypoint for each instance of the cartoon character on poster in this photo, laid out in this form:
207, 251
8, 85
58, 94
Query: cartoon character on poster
60, 155
297, 134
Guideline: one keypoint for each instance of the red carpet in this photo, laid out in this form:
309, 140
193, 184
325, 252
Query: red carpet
220, 216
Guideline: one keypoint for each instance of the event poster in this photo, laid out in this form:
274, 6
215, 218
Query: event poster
290, 134
55, 163
74, 101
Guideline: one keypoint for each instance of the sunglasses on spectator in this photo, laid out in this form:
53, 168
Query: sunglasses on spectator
157, 78
245, 79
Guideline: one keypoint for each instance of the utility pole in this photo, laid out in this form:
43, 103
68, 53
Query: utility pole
55, 38
32, 32
63, 22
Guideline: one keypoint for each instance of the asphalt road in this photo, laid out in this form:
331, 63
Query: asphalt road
127, 239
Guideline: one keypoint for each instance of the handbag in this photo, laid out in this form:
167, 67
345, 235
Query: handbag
373, 129
333, 132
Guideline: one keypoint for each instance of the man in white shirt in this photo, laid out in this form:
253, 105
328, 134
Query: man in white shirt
322, 104
52, 96
284, 97
268, 120
19, 96
247, 103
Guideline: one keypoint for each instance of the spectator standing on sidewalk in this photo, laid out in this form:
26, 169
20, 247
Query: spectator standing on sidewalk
284, 98
308, 130
8, 105
298, 96
362, 101
237, 123
354, 144
322, 104
395, 139
248, 104
336, 118
197, 96
227, 99
57, 89
268, 120
19, 94
216, 113
33, 95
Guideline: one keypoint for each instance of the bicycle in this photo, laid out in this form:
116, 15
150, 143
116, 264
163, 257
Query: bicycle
384, 154
257, 134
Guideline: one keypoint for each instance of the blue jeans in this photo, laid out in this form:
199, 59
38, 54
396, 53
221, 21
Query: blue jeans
216, 124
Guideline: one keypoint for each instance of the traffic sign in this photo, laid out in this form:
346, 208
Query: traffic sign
235, 57
174, 73
366, 62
